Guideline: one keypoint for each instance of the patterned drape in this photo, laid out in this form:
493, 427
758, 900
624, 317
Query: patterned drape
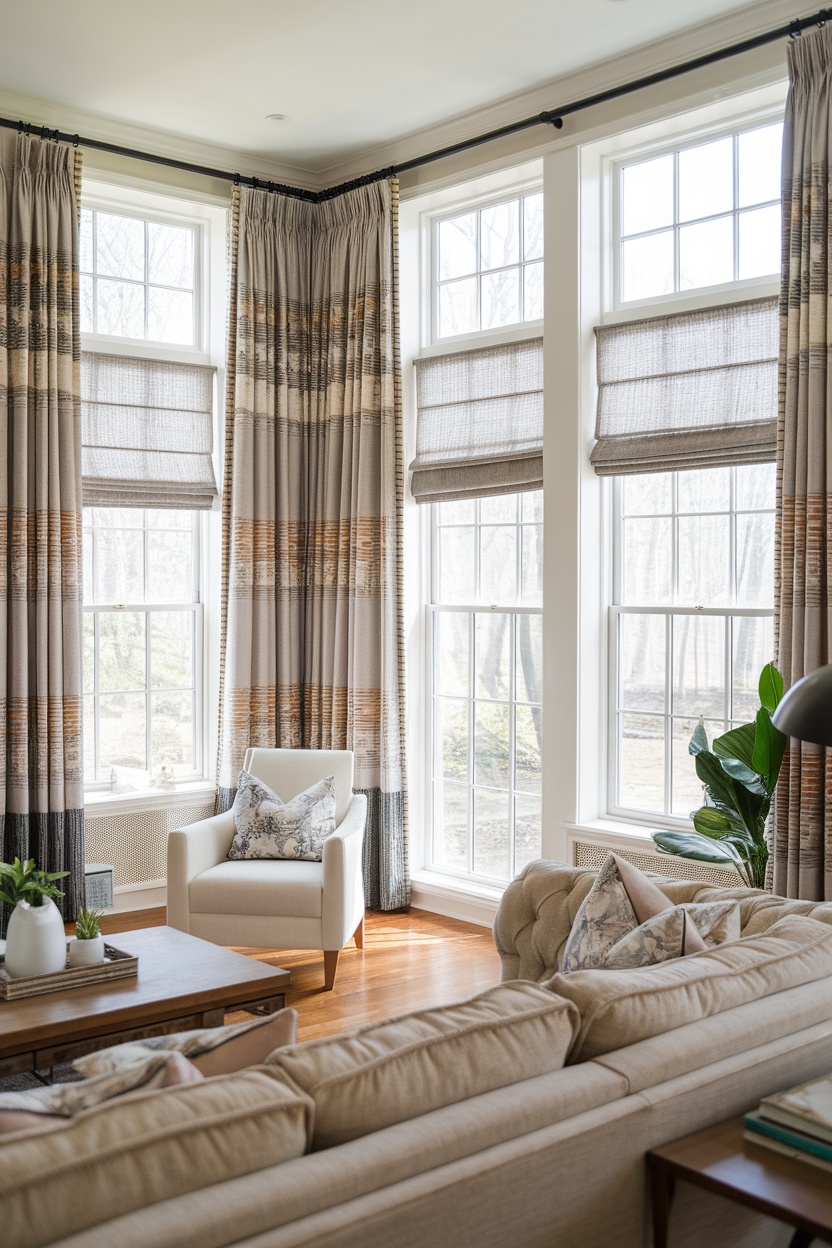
312, 646
41, 780
802, 846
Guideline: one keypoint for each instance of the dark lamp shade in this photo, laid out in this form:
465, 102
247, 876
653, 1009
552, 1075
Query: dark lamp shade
806, 710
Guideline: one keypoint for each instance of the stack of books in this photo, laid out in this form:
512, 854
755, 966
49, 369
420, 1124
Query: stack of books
797, 1123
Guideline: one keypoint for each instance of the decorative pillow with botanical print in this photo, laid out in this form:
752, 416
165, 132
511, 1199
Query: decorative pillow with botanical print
716, 921
267, 827
604, 916
65, 1100
212, 1050
625, 920
658, 940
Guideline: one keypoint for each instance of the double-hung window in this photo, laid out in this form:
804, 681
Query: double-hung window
686, 431
147, 402
478, 468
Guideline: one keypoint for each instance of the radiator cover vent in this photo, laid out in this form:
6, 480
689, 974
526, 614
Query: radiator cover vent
136, 844
592, 857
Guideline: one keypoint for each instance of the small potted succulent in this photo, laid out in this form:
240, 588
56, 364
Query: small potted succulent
87, 949
35, 939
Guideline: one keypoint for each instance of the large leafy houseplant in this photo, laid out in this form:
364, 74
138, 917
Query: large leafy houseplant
739, 774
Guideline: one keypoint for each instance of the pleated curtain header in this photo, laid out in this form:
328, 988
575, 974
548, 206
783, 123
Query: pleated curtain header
480, 422
147, 433
689, 390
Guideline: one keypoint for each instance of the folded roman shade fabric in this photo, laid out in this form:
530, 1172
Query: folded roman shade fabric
147, 433
480, 422
690, 390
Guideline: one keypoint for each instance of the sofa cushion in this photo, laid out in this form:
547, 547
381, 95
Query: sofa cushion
266, 887
622, 1007
144, 1148
387, 1072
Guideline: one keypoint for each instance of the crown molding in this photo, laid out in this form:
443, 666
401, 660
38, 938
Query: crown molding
753, 68
158, 142
762, 64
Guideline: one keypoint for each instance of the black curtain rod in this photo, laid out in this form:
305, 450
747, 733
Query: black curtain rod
551, 117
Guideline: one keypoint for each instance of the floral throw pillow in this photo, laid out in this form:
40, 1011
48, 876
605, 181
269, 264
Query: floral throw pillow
266, 827
607, 932
657, 940
604, 916
716, 921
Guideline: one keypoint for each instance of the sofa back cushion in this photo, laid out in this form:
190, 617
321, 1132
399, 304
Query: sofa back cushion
387, 1072
146, 1147
622, 1007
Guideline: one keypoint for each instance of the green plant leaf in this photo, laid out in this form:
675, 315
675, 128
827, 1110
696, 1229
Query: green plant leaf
769, 748
692, 845
720, 785
712, 821
699, 740
770, 687
737, 744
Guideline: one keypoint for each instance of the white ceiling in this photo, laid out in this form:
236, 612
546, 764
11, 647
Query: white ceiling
351, 74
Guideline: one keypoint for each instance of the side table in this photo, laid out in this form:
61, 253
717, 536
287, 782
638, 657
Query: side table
721, 1160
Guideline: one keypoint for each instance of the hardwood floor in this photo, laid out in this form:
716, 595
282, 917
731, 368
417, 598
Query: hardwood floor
409, 961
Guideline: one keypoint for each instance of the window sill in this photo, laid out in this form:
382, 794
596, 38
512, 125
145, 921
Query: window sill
97, 804
621, 829
455, 898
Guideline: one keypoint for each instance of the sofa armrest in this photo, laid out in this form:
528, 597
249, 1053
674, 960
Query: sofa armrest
191, 851
342, 903
535, 916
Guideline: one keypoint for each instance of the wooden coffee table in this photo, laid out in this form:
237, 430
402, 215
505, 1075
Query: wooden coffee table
722, 1161
183, 983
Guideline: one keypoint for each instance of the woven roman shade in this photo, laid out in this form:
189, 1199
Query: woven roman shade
690, 390
147, 433
480, 422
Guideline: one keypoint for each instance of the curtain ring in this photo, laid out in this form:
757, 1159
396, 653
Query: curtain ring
75, 140
795, 29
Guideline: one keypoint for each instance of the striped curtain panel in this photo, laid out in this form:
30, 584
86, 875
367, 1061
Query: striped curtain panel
41, 773
312, 647
802, 857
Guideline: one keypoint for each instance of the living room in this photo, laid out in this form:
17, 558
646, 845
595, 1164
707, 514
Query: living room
372, 633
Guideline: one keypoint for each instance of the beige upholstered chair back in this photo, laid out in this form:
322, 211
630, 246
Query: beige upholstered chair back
289, 772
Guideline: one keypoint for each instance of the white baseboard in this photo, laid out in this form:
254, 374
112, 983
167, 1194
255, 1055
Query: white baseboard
139, 896
454, 903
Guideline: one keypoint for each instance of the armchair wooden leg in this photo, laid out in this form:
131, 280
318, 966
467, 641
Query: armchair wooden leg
330, 967
358, 934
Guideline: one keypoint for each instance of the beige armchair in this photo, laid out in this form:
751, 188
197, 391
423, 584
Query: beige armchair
275, 903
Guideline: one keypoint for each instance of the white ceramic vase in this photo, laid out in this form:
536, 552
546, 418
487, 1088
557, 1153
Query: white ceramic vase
35, 940
86, 952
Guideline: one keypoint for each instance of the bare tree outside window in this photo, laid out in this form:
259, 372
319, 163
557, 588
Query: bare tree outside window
691, 623
486, 649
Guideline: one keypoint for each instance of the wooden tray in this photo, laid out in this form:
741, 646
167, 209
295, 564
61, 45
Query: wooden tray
116, 965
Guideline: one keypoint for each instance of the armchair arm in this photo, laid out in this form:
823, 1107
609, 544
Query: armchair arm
342, 903
191, 851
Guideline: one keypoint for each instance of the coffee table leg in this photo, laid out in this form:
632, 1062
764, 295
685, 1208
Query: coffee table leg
801, 1239
213, 1018
661, 1192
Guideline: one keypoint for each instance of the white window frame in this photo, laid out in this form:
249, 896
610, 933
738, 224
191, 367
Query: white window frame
619, 154
195, 608
432, 221
130, 196
433, 740
750, 287
668, 612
